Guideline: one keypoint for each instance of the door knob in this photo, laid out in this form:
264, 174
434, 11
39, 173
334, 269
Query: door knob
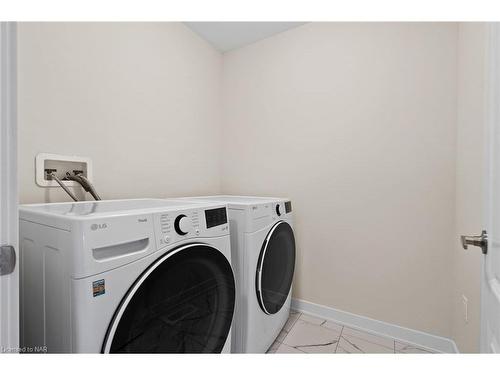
7, 259
479, 241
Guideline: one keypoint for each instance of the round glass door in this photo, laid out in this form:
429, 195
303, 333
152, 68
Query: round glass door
275, 268
184, 303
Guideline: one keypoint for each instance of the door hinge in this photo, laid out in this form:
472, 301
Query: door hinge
7, 259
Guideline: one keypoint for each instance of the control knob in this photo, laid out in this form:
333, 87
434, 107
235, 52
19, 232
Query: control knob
182, 225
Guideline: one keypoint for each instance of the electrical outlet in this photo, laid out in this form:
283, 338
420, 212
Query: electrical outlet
465, 302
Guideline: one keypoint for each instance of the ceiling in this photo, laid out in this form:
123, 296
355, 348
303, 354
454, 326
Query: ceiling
225, 36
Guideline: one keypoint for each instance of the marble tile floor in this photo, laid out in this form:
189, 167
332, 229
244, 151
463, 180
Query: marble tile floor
307, 334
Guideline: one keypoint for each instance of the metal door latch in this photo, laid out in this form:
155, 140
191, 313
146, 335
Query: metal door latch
479, 241
7, 259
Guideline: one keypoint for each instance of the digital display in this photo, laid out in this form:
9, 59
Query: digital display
216, 216
288, 207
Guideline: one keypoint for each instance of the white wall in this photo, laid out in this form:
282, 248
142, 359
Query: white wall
356, 123
141, 99
469, 183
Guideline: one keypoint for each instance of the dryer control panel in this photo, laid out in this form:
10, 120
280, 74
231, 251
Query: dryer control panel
171, 227
260, 215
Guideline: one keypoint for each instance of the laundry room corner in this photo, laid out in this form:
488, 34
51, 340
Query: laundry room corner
253, 183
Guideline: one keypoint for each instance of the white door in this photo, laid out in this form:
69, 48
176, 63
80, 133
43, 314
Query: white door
9, 270
490, 284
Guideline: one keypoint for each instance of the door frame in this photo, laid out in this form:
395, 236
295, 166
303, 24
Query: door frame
9, 283
492, 118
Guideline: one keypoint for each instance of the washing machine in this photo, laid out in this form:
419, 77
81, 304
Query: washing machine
126, 276
263, 259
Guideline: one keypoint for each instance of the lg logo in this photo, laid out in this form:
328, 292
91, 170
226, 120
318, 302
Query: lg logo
98, 226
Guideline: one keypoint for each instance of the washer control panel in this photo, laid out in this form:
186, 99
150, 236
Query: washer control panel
175, 226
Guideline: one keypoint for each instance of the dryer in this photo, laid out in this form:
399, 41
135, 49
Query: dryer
126, 276
263, 259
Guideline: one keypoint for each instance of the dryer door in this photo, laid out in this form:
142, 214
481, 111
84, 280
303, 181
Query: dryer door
183, 303
275, 268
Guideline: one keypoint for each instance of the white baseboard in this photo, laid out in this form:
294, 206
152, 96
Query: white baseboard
411, 336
